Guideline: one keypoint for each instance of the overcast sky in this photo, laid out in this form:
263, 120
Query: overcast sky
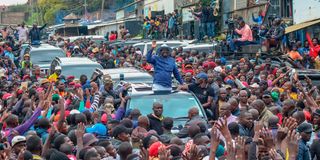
12, 2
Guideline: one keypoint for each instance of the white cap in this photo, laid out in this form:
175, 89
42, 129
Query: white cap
57, 68
18, 139
254, 85
74, 111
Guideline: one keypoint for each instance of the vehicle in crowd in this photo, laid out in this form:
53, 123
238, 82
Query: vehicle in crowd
142, 97
200, 47
146, 46
96, 38
312, 74
75, 66
119, 75
126, 42
42, 55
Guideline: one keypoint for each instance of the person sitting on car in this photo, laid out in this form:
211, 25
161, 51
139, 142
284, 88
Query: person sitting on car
275, 34
204, 92
164, 66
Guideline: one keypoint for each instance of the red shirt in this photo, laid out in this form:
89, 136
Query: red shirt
112, 37
209, 64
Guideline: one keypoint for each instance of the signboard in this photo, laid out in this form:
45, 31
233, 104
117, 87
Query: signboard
120, 14
305, 10
187, 15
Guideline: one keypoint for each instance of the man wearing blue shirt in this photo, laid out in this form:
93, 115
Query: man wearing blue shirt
164, 66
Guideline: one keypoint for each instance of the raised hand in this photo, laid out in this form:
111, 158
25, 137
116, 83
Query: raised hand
164, 154
240, 147
80, 130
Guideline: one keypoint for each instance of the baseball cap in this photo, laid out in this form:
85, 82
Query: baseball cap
18, 139
57, 68
317, 112
266, 94
202, 75
107, 79
305, 127
88, 139
255, 85
98, 129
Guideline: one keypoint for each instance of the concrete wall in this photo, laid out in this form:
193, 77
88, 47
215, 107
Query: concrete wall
13, 17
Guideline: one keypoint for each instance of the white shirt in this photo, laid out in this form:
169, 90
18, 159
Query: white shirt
23, 32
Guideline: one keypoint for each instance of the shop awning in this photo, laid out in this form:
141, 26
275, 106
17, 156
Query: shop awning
301, 26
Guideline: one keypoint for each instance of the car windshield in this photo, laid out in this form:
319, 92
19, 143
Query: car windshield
45, 56
79, 70
169, 101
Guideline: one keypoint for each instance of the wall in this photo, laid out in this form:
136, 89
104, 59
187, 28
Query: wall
12, 17
305, 10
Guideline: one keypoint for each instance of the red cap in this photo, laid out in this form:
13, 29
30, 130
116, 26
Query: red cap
104, 118
9, 49
6, 96
20, 91
154, 149
25, 77
77, 85
72, 83
70, 77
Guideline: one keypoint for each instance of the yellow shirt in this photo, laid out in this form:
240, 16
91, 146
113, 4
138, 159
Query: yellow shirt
53, 77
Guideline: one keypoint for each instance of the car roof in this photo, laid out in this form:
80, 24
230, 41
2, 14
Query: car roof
162, 42
75, 60
44, 47
120, 70
131, 75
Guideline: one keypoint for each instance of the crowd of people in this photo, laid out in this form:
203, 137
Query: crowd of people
162, 27
254, 110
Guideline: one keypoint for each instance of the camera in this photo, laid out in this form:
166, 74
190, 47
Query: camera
231, 23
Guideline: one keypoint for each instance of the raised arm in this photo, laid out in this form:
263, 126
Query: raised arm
177, 74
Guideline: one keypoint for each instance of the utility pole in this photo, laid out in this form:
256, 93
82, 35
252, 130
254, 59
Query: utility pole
85, 9
102, 8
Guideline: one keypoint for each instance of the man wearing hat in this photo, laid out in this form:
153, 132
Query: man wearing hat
203, 91
164, 66
305, 130
18, 144
107, 89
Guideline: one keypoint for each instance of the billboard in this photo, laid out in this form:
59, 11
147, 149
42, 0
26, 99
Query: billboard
305, 10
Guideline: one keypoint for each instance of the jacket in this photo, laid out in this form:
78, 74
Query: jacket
155, 124
303, 152
183, 133
264, 116
163, 69
35, 33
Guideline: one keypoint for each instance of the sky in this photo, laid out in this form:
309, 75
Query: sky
12, 2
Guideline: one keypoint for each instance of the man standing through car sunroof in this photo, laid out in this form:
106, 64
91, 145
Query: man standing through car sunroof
164, 66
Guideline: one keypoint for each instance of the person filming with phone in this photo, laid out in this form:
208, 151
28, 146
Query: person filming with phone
164, 66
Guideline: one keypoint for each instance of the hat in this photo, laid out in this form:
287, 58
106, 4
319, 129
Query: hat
202, 75
26, 55
109, 106
55, 97
218, 69
74, 111
25, 77
305, 127
98, 129
77, 85
95, 50
9, 49
138, 52
266, 94
70, 77
154, 149
6, 96
107, 79
317, 112
120, 129
88, 139
43, 81
254, 85
104, 118
57, 68
164, 46
18, 139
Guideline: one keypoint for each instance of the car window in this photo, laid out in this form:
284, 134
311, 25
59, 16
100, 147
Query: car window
45, 57
185, 102
79, 70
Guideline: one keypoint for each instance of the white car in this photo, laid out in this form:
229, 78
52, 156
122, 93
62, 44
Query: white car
146, 46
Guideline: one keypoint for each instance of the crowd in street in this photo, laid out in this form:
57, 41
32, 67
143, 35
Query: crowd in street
255, 110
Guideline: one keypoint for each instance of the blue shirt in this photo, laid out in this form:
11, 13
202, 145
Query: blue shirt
163, 69
303, 152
